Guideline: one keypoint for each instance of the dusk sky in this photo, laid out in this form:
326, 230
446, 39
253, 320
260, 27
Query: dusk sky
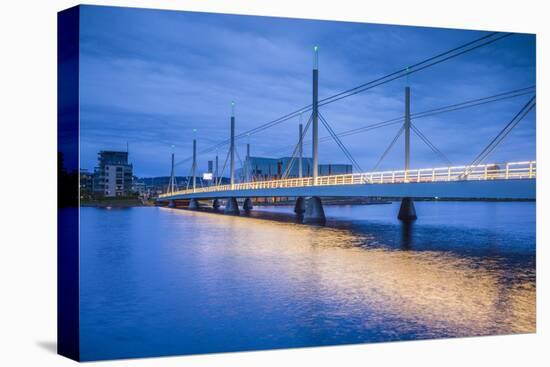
149, 78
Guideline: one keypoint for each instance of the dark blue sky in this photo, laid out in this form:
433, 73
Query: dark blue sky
150, 77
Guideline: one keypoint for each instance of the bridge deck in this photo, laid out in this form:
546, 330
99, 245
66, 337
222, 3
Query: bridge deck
516, 180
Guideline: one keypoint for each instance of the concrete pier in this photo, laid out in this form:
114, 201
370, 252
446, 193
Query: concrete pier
314, 211
407, 212
247, 205
231, 207
193, 204
216, 204
300, 206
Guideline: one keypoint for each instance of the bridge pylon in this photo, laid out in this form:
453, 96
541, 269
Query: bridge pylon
315, 115
216, 170
247, 164
300, 149
407, 128
194, 167
172, 183
232, 147
407, 211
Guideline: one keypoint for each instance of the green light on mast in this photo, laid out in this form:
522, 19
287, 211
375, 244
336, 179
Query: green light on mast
316, 57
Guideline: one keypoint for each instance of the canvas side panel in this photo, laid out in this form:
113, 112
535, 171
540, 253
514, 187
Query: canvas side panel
67, 186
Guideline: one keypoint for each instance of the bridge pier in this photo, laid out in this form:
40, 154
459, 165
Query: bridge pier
216, 204
407, 212
300, 206
171, 204
193, 204
231, 207
314, 212
247, 205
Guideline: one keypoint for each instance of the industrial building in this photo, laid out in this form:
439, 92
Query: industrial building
263, 168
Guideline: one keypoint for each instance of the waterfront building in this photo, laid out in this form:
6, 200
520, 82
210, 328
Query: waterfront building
139, 188
114, 175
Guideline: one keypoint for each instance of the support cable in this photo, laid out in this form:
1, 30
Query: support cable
297, 148
431, 61
445, 109
405, 72
188, 176
339, 142
406, 69
399, 132
436, 111
223, 168
528, 107
241, 163
431, 145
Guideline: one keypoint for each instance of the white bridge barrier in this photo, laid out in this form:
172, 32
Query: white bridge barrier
499, 171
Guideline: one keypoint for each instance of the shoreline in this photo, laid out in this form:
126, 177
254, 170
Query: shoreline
122, 203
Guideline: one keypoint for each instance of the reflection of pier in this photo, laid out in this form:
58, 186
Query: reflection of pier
442, 290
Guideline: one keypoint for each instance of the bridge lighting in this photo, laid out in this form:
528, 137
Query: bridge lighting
316, 57
522, 171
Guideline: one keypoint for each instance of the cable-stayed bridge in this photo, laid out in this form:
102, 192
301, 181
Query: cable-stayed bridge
474, 180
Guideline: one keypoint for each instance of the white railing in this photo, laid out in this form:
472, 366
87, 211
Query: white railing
504, 171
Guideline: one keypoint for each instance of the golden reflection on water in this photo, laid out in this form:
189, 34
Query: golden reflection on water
438, 290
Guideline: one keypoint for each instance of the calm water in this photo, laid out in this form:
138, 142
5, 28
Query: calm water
158, 281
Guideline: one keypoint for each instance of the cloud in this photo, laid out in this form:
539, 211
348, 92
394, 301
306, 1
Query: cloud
150, 77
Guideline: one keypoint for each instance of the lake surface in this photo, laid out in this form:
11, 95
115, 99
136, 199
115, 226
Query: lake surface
159, 281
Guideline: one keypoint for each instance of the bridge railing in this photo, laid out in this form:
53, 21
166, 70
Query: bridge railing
500, 171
